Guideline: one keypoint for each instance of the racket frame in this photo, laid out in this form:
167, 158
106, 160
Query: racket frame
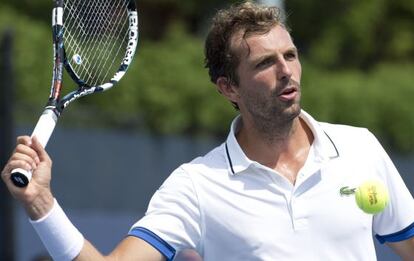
55, 105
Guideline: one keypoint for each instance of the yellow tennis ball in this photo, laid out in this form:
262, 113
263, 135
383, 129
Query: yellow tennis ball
372, 197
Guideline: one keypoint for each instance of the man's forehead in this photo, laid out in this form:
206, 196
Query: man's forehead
277, 37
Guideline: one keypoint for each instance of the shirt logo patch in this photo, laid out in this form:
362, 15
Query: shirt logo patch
346, 191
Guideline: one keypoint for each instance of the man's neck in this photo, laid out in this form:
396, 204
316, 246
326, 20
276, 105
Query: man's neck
285, 150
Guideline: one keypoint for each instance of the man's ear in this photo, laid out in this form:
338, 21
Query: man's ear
228, 89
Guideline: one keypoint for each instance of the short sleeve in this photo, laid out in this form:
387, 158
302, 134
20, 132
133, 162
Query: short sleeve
396, 222
172, 220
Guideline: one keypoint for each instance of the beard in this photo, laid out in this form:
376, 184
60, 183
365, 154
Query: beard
271, 116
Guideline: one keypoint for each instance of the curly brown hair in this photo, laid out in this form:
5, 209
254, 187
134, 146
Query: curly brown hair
248, 18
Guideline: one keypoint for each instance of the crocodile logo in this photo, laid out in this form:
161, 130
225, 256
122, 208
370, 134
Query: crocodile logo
346, 191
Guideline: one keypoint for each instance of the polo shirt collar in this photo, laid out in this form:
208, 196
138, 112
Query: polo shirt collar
237, 161
324, 146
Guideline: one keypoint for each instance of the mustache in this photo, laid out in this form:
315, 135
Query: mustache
288, 83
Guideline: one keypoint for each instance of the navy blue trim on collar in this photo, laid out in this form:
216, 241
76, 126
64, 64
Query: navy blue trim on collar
155, 241
228, 157
402, 235
333, 144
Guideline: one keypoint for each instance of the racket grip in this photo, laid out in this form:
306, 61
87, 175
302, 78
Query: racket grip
45, 126
43, 130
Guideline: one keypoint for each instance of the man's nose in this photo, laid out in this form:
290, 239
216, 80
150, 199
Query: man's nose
284, 70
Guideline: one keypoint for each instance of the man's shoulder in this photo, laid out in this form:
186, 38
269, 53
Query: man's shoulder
342, 129
213, 160
348, 136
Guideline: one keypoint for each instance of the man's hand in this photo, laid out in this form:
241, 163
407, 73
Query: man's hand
36, 198
38, 201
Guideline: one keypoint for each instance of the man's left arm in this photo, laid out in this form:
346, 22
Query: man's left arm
395, 225
405, 249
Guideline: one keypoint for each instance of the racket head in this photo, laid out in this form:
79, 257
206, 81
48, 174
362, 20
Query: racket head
100, 36
99, 41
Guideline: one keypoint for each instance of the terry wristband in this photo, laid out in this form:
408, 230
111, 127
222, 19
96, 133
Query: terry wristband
61, 238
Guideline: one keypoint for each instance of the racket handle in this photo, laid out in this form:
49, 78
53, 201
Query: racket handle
45, 126
43, 130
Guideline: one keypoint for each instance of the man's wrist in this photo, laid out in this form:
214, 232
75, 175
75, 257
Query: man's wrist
60, 237
40, 206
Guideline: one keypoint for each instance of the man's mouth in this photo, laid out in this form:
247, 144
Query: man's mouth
288, 93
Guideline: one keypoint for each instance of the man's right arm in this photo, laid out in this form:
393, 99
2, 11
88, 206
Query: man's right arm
39, 203
130, 248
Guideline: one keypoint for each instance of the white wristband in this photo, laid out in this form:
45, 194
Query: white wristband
60, 237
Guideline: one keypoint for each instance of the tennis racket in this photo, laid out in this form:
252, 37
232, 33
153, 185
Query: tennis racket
95, 41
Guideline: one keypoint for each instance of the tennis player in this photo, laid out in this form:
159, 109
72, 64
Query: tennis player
271, 191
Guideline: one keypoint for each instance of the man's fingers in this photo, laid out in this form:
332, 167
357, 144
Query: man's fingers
32, 161
24, 156
26, 150
25, 140
15, 164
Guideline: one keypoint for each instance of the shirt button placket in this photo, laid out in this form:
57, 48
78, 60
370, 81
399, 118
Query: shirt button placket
298, 214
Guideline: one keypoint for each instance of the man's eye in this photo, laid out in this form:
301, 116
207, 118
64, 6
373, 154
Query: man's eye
290, 56
264, 63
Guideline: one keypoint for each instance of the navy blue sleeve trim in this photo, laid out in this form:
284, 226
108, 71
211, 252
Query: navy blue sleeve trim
404, 234
154, 240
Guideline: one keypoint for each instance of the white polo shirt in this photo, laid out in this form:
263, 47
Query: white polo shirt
228, 207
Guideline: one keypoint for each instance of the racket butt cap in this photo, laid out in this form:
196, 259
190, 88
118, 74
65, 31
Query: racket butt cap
20, 177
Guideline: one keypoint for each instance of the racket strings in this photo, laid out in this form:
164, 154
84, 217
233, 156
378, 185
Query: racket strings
74, 38
95, 32
103, 44
111, 48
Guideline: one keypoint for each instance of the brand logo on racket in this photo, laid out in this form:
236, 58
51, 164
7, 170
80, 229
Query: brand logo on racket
78, 95
133, 21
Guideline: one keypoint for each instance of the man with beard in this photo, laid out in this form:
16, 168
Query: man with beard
271, 191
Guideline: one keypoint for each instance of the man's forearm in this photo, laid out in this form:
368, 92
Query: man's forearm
90, 253
60, 237
405, 249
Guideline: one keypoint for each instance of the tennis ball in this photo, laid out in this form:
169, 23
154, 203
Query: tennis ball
371, 196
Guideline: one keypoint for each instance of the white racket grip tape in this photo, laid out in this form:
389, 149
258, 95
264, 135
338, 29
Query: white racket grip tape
43, 130
45, 126
61, 238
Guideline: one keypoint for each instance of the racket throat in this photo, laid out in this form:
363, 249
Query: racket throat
53, 106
